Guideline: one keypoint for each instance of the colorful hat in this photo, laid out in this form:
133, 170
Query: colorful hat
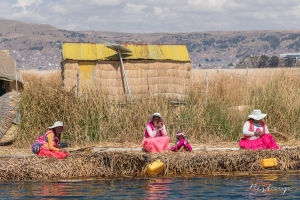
180, 133
58, 124
156, 115
256, 115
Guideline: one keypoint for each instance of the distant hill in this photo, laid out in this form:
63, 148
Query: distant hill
39, 45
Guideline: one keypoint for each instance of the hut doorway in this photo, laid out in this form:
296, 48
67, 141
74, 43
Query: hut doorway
9, 86
2, 90
86, 75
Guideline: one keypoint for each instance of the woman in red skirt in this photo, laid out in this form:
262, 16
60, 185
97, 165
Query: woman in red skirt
47, 144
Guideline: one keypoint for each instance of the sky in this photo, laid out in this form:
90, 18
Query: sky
149, 16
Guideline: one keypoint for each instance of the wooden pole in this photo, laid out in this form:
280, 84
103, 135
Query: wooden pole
124, 73
16, 77
246, 78
206, 93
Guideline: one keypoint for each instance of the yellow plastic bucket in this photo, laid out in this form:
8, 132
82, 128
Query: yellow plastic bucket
156, 167
269, 162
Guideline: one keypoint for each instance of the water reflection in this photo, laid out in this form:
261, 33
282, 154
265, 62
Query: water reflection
158, 189
53, 189
221, 187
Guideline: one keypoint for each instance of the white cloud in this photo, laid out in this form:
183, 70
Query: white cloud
156, 15
55, 8
71, 26
4, 9
105, 2
158, 10
131, 8
295, 12
25, 3
27, 15
4, 4
96, 20
166, 3
166, 14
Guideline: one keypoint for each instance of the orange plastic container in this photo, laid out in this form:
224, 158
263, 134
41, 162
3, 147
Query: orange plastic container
269, 162
156, 167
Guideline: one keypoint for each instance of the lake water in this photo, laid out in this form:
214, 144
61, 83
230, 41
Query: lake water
206, 187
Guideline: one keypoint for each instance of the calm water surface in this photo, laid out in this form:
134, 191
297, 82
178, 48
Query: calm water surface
220, 187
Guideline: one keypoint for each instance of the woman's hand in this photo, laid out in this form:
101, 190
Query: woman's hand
257, 133
156, 124
262, 133
160, 124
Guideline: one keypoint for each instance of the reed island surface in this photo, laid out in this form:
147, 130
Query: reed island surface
105, 136
112, 161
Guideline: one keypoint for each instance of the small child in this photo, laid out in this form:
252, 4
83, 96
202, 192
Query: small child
182, 143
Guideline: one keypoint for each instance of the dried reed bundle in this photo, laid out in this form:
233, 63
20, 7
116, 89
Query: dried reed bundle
9, 105
130, 164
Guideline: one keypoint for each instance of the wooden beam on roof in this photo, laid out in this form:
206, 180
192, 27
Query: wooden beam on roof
118, 47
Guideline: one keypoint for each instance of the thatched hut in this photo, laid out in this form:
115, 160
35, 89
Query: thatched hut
11, 83
126, 68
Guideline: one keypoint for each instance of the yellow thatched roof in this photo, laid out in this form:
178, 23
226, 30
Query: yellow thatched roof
92, 51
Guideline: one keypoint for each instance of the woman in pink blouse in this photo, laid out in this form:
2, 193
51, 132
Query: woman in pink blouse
155, 135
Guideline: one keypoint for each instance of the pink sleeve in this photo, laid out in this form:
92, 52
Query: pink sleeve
180, 143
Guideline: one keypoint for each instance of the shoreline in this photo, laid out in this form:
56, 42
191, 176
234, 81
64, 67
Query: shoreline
15, 149
133, 164
94, 149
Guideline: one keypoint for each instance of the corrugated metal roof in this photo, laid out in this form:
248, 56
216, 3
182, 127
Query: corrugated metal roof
92, 51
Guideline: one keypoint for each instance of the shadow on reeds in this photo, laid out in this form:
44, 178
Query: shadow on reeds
210, 118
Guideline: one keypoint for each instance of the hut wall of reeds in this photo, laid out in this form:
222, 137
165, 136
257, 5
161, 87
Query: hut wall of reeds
11, 82
150, 69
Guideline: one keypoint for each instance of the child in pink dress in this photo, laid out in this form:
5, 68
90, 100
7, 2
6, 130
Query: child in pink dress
182, 144
155, 135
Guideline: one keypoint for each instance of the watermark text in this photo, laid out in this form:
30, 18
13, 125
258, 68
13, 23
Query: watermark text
269, 188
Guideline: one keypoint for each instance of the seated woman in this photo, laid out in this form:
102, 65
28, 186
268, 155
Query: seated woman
256, 133
155, 135
182, 144
47, 144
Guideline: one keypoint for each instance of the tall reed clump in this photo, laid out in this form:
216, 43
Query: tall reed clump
280, 98
207, 116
